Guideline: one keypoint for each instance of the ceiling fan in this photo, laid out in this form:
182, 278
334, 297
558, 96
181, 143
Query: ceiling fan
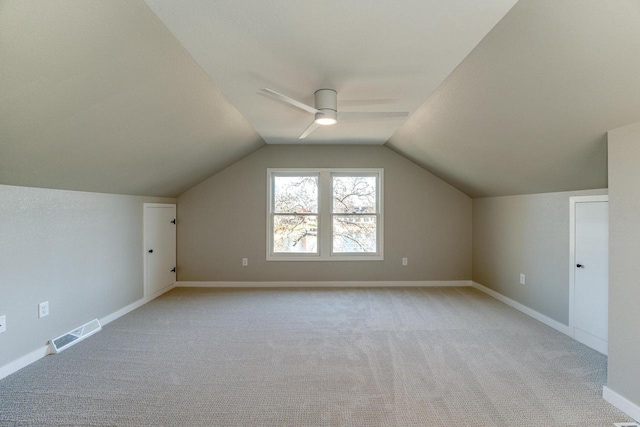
326, 110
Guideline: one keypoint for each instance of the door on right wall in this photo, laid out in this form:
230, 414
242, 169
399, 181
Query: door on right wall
591, 274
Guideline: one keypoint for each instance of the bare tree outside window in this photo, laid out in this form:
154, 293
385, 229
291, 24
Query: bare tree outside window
325, 214
295, 220
354, 209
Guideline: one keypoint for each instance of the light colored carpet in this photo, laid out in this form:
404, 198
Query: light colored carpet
352, 357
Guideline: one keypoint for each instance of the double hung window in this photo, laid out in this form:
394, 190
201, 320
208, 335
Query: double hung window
324, 214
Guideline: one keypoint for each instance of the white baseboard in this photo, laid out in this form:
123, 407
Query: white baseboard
596, 343
38, 354
142, 301
337, 284
23, 361
523, 308
621, 403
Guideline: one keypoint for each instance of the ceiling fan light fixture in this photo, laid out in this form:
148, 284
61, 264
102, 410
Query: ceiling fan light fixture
326, 117
325, 121
326, 110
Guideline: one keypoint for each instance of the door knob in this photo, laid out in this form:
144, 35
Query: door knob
579, 265
150, 251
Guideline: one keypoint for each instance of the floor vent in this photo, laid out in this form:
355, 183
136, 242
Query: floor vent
626, 424
70, 338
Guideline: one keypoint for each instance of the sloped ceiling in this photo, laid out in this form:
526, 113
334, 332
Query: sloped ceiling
528, 110
99, 96
378, 55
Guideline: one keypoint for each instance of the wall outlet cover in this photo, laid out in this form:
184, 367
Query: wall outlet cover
245, 262
522, 279
43, 309
3, 323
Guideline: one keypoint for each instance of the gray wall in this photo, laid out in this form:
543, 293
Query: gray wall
224, 219
624, 254
82, 252
525, 234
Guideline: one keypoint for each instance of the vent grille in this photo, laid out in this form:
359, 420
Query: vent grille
73, 337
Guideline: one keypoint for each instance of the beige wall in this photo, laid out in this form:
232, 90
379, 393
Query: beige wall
624, 254
224, 219
525, 234
82, 252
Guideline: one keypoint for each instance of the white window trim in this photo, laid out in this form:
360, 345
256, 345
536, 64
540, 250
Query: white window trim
325, 216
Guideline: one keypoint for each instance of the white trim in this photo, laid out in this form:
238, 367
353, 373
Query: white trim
129, 308
314, 257
158, 205
622, 403
598, 344
572, 263
325, 225
524, 309
320, 284
572, 257
23, 361
38, 354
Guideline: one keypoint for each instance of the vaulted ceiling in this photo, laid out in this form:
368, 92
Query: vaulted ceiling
99, 96
134, 98
381, 55
528, 110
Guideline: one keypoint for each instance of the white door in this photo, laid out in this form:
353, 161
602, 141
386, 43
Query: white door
591, 289
159, 246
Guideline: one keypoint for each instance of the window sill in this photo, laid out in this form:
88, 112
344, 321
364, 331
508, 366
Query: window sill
333, 258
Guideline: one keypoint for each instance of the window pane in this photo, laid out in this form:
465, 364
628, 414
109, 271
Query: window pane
295, 194
354, 233
354, 194
295, 233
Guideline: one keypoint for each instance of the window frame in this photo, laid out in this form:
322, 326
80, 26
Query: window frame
325, 214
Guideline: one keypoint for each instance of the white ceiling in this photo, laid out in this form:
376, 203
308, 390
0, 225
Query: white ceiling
379, 56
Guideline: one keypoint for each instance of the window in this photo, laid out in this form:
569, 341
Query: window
295, 213
324, 214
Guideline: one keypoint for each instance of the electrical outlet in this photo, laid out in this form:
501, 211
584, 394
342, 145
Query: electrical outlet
43, 309
522, 279
3, 323
245, 262
405, 261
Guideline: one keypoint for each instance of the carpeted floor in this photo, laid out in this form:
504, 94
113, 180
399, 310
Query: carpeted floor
353, 357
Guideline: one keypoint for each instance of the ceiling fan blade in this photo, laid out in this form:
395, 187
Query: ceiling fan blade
291, 101
372, 115
313, 126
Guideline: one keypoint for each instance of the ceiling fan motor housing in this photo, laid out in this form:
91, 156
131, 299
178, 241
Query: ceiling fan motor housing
327, 102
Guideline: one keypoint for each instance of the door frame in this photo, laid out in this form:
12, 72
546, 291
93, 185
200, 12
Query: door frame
145, 289
572, 250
